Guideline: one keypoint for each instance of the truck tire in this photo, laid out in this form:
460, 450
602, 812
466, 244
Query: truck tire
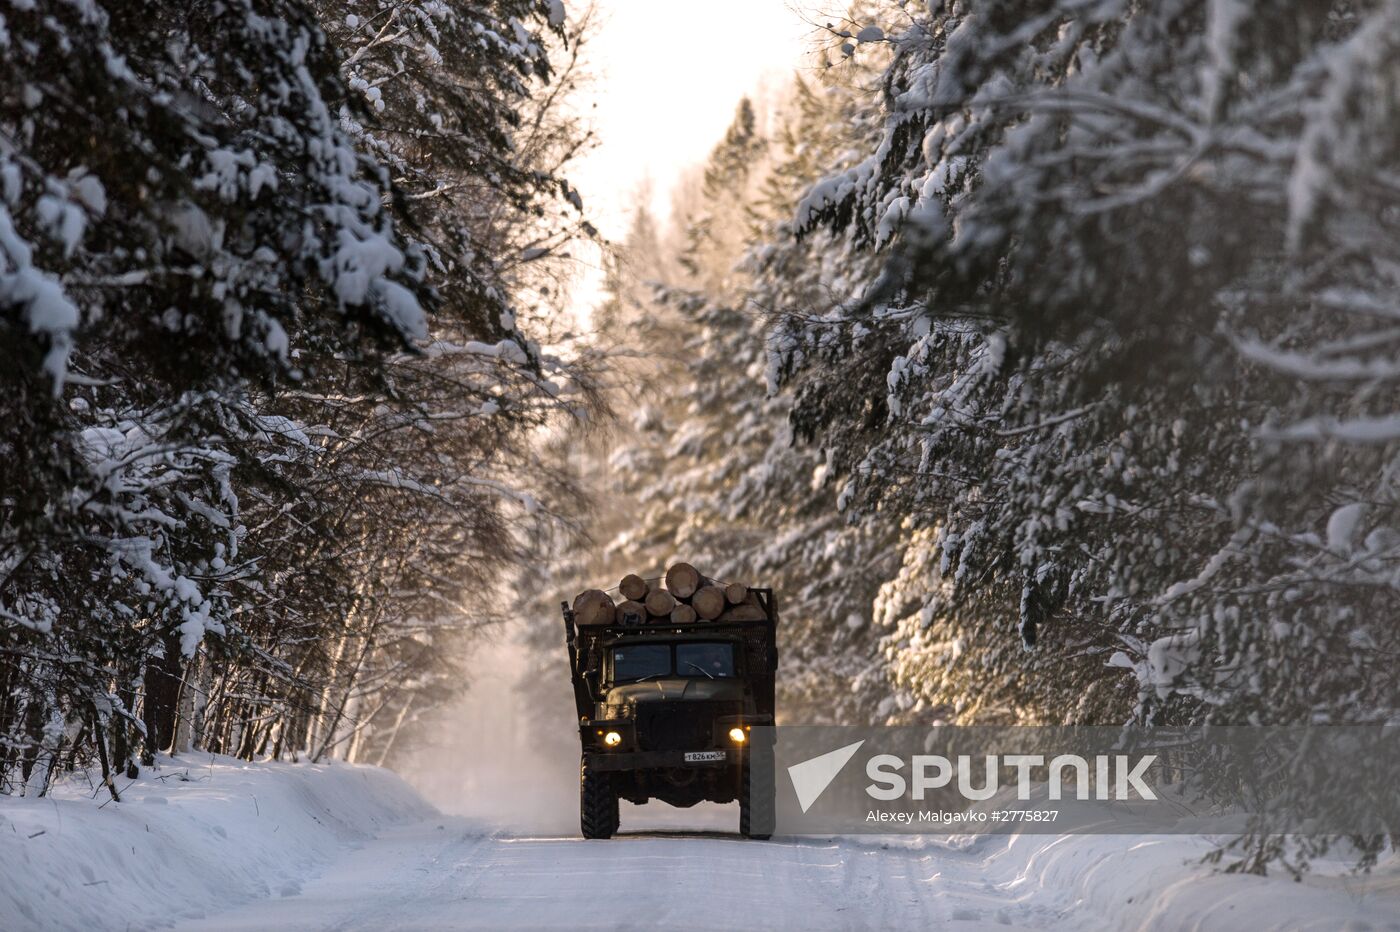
597, 802
756, 804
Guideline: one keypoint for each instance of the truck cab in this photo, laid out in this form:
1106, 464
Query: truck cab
666, 712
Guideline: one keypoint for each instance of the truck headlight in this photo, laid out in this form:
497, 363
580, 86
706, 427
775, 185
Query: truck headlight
612, 739
737, 735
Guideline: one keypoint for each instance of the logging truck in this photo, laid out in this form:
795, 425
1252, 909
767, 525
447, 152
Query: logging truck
671, 677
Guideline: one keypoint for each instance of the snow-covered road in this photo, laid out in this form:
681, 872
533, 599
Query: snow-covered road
217, 844
445, 874
426, 877
448, 873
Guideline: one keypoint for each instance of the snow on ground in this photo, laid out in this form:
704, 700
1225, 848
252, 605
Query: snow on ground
280, 846
196, 836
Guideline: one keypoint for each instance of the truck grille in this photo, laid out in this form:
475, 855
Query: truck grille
680, 726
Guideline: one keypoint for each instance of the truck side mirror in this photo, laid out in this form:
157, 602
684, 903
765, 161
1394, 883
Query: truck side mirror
590, 680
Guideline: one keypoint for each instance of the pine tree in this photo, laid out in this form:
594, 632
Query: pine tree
706, 469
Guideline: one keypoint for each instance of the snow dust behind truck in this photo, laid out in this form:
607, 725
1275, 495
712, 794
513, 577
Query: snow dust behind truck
669, 684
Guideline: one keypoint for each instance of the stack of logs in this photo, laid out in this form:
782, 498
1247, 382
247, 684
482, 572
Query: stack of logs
687, 597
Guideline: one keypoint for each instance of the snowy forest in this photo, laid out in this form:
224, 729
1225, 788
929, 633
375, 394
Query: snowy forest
274, 352
1038, 353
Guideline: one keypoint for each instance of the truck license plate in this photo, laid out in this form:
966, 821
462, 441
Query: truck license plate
705, 755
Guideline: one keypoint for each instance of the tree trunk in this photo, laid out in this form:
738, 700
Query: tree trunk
34, 736
200, 696
180, 741
123, 724
162, 696
394, 733
101, 740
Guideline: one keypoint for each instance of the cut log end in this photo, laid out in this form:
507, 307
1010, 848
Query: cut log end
683, 614
594, 607
708, 602
660, 602
682, 580
745, 612
633, 587
632, 613
736, 593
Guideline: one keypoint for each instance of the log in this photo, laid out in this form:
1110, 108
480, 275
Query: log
632, 613
633, 587
682, 580
708, 602
735, 593
745, 612
660, 602
682, 614
594, 607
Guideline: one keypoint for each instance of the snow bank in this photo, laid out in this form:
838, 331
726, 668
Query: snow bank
1140, 882
196, 836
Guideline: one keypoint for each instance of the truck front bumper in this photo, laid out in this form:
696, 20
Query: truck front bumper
660, 760
591, 733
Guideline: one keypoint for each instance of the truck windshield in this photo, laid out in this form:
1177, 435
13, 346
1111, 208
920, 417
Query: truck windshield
648, 661
713, 660
639, 661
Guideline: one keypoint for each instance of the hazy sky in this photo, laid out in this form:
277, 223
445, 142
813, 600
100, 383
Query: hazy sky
668, 76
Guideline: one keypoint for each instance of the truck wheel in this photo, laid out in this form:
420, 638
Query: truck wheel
597, 802
756, 804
